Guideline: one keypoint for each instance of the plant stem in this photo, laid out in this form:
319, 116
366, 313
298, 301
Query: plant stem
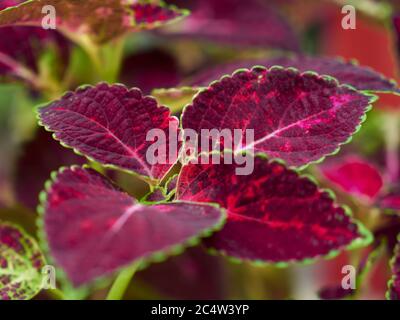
121, 283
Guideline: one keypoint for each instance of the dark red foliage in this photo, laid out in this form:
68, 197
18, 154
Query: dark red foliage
93, 228
299, 118
109, 124
360, 77
273, 214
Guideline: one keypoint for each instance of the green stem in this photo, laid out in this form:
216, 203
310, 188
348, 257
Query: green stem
121, 283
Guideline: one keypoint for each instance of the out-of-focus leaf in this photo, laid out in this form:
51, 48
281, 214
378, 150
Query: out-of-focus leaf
21, 264
102, 20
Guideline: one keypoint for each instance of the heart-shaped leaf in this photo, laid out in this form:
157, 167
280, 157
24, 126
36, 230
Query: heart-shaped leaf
235, 22
102, 20
355, 176
299, 118
21, 264
93, 228
109, 123
360, 77
274, 215
394, 284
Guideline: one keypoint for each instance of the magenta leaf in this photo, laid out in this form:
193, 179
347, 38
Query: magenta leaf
360, 77
109, 124
274, 215
21, 264
93, 228
390, 200
356, 176
299, 118
102, 20
394, 284
235, 22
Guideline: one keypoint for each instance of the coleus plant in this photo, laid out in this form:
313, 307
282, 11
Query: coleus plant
91, 229
275, 215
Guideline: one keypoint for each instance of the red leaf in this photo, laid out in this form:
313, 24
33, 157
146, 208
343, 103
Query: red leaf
94, 228
355, 176
299, 118
274, 215
102, 20
360, 77
109, 123
238, 23
394, 284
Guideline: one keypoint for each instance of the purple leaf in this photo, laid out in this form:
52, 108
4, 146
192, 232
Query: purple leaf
109, 123
360, 77
355, 176
394, 284
93, 228
238, 23
274, 215
299, 118
37, 160
21, 264
102, 20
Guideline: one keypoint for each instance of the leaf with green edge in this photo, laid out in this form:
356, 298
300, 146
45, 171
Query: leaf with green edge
175, 98
101, 20
362, 78
156, 196
109, 124
393, 292
274, 215
297, 117
93, 228
21, 263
